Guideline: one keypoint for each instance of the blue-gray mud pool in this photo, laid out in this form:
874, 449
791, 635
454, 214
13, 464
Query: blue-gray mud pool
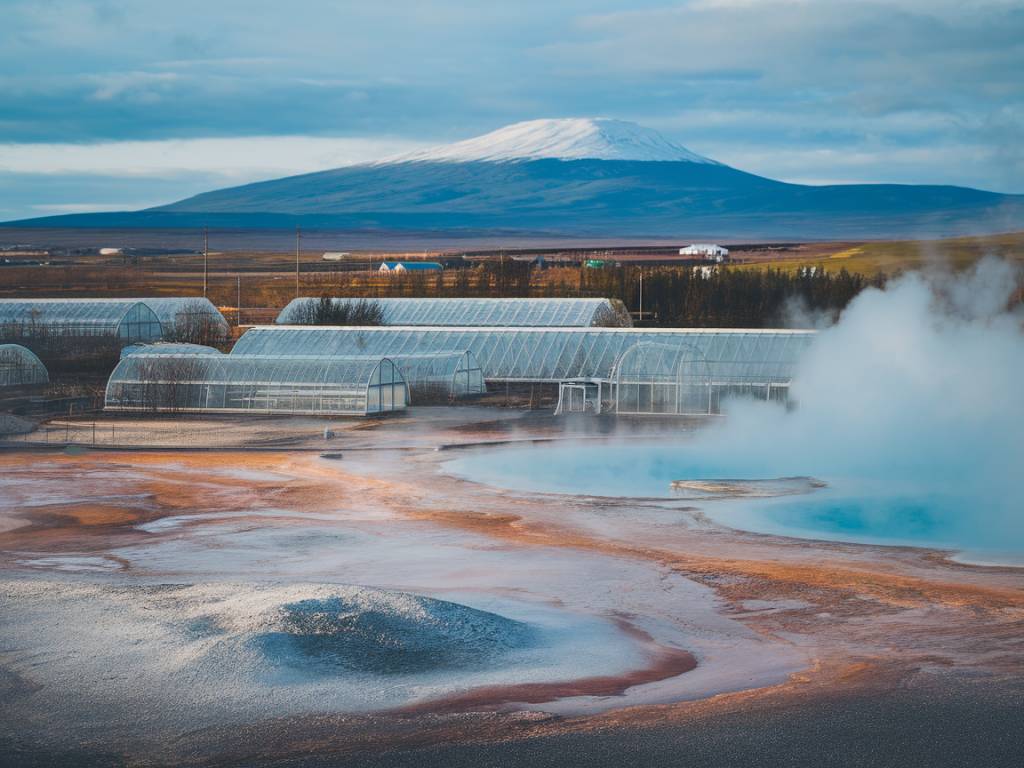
740, 494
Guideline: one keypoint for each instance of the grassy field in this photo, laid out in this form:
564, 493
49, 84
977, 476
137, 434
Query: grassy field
264, 281
897, 256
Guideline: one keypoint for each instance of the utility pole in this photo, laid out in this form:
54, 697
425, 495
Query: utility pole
206, 260
238, 303
641, 294
298, 237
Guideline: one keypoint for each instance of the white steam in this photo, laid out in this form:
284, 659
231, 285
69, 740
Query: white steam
910, 408
919, 386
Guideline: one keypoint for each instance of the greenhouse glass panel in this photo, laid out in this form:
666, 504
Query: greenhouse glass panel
189, 319
659, 379
440, 377
491, 312
19, 367
169, 348
749, 360
127, 320
256, 384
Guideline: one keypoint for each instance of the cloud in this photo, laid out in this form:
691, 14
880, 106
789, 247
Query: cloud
38, 179
24, 195
847, 76
247, 158
856, 84
62, 208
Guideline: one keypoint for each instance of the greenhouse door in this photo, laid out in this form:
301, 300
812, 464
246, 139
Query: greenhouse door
578, 398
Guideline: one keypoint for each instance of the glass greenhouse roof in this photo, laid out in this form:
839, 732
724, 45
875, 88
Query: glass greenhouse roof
553, 313
546, 354
169, 348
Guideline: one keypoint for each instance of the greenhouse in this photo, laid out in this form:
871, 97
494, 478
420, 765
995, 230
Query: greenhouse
19, 367
752, 361
539, 313
126, 320
654, 379
189, 318
256, 384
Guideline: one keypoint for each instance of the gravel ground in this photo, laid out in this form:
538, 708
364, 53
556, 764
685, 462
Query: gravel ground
931, 725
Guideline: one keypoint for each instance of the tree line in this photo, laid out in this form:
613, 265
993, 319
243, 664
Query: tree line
729, 298
719, 297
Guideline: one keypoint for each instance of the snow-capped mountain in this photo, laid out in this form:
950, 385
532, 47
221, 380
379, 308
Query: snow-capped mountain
574, 178
565, 139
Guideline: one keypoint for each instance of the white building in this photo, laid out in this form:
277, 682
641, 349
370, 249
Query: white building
336, 255
707, 251
409, 266
111, 251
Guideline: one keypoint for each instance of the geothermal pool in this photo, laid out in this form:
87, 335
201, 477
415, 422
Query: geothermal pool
771, 496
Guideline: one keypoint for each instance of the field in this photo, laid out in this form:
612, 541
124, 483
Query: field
893, 257
250, 285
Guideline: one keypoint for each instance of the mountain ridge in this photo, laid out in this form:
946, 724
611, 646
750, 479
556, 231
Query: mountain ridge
528, 179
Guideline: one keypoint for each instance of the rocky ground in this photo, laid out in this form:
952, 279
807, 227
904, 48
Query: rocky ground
805, 652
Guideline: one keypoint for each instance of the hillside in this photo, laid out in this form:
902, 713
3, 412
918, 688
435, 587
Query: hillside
577, 178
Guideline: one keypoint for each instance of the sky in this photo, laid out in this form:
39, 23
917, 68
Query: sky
124, 104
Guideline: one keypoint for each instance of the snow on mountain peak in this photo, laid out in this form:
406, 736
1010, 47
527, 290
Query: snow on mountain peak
564, 139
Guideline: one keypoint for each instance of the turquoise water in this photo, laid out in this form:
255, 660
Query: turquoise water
870, 510
592, 468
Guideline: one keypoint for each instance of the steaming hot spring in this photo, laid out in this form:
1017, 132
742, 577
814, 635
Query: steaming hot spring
781, 499
907, 415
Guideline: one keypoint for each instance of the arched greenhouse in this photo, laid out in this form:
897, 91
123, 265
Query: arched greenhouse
489, 312
256, 384
19, 367
659, 379
124, 320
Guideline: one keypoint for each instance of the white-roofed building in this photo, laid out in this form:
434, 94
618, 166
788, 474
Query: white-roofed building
708, 251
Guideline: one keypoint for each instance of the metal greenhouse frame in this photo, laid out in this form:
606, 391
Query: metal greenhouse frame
19, 367
127, 320
256, 384
490, 312
441, 376
662, 379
